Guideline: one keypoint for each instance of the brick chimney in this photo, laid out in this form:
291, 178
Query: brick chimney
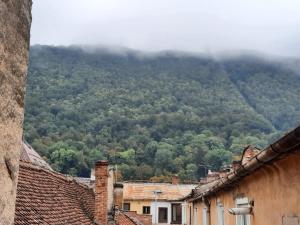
101, 192
175, 179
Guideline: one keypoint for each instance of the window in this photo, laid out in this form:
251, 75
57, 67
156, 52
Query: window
162, 215
220, 212
126, 206
146, 209
204, 216
242, 219
195, 216
176, 213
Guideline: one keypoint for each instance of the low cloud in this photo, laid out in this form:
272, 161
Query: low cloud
209, 27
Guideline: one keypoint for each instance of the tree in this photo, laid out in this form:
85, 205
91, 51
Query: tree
64, 159
191, 171
217, 158
163, 158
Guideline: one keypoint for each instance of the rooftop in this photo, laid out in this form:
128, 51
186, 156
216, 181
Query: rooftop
145, 191
28, 154
48, 197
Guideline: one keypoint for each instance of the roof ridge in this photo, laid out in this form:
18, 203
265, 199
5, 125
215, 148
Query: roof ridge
61, 176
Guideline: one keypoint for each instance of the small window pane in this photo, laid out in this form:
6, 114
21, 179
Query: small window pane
146, 209
126, 206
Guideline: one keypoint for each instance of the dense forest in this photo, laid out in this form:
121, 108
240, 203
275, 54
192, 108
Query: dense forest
154, 114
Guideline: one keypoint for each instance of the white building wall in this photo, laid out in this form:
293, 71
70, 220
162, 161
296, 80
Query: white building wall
154, 210
184, 212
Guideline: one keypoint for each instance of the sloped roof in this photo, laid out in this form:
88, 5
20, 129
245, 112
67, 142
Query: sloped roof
139, 219
123, 219
253, 159
47, 197
28, 154
145, 191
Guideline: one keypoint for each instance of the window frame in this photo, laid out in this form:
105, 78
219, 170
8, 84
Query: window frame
126, 204
246, 219
204, 216
220, 214
177, 213
165, 220
146, 210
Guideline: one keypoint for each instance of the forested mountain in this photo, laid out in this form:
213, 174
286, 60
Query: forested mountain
154, 114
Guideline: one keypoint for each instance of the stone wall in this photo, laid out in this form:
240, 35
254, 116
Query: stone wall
15, 21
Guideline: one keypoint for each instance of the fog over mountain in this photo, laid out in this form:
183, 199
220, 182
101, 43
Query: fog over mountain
210, 27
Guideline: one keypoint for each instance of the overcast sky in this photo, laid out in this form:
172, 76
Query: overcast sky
209, 26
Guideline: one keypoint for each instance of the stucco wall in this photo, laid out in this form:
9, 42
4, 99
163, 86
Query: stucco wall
274, 189
154, 210
137, 206
15, 20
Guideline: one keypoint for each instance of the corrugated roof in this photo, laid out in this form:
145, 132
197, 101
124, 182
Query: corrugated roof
145, 191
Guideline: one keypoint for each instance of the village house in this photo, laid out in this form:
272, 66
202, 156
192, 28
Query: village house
262, 189
48, 197
161, 200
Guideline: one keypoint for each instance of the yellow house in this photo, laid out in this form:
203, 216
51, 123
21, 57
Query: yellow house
161, 200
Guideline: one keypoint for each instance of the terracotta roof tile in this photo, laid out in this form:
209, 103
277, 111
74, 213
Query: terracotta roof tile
47, 197
28, 154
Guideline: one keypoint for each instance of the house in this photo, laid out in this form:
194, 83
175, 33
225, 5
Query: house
161, 200
262, 189
48, 197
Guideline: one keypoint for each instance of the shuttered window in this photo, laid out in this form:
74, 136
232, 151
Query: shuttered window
220, 214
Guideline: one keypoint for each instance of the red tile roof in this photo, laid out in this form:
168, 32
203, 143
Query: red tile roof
47, 197
132, 218
139, 219
28, 154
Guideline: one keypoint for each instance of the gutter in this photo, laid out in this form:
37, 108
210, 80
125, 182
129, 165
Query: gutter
283, 146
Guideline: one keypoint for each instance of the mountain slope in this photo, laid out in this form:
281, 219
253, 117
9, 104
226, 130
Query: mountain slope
153, 114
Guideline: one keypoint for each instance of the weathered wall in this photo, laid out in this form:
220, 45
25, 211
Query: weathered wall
15, 20
137, 206
118, 195
274, 189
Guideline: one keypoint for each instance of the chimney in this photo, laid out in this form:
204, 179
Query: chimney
249, 152
175, 179
235, 165
101, 192
118, 195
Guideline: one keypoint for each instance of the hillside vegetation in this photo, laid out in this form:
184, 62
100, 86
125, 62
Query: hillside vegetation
153, 115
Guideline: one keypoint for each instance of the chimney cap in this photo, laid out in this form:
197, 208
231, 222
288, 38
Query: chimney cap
102, 163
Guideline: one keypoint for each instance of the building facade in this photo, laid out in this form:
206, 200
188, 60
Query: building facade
160, 200
263, 190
